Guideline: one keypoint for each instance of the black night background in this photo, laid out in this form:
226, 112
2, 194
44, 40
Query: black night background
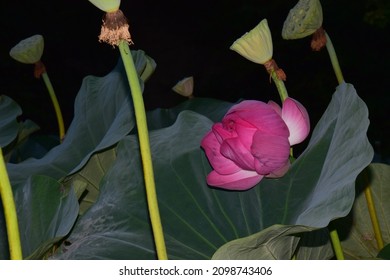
193, 39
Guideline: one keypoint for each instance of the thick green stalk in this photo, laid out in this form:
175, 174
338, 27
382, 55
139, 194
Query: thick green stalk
334, 60
56, 105
372, 211
367, 190
143, 136
334, 237
11, 218
279, 85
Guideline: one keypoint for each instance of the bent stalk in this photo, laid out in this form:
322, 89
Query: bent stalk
11, 219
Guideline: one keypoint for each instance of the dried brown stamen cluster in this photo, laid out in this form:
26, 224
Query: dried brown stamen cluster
115, 28
271, 66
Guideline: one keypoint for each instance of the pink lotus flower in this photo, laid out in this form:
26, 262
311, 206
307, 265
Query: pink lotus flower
253, 141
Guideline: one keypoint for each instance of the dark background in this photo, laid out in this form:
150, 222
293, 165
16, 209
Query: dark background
193, 38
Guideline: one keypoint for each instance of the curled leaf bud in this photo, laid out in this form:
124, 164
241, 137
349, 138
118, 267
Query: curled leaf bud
185, 87
29, 50
303, 20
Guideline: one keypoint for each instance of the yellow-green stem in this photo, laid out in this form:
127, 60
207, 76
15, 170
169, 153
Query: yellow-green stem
279, 86
334, 60
11, 218
372, 211
143, 136
334, 237
56, 105
282, 90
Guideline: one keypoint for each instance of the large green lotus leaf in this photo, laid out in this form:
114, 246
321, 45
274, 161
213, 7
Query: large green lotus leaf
117, 225
275, 242
279, 242
213, 109
9, 127
86, 182
198, 219
46, 213
355, 230
12, 132
314, 245
34, 146
385, 253
103, 116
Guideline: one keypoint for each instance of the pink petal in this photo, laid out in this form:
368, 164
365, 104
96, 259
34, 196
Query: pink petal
241, 180
276, 107
259, 115
220, 163
248, 105
221, 133
233, 149
279, 172
297, 120
271, 152
245, 132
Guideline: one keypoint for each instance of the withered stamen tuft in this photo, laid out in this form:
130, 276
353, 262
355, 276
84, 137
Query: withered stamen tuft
115, 28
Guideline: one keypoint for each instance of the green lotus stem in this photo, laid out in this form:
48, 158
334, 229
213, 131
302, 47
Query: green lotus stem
56, 105
373, 216
11, 218
334, 60
334, 237
280, 86
143, 136
367, 190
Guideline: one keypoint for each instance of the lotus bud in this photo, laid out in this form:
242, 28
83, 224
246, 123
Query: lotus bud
29, 50
303, 20
185, 87
107, 6
255, 45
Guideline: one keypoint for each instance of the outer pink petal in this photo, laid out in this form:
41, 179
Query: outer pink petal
276, 107
248, 105
233, 149
241, 180
220, 163
271, 152
297, 120
279, 172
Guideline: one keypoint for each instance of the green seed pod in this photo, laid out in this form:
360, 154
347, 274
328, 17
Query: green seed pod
107, 6
302, 20
255, 45
29, 50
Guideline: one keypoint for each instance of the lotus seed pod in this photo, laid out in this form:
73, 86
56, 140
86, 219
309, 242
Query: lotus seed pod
107, 6
185, 87
29, 50
255, 45
303, 20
